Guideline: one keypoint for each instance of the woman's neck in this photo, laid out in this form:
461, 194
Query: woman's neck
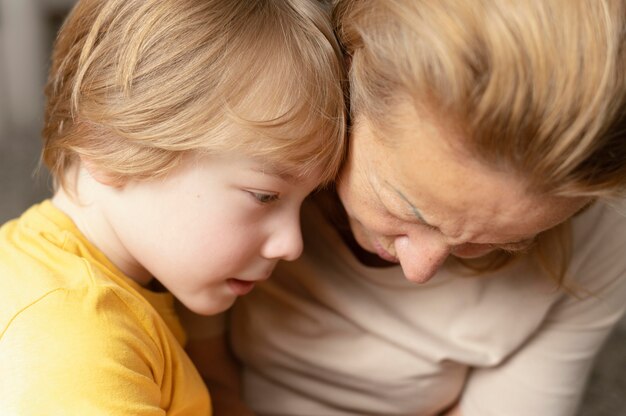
329, 203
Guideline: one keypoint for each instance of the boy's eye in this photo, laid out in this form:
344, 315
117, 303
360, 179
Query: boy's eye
264, 198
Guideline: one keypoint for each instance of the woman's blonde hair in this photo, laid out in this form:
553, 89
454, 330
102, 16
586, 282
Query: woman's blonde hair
538, 88
136, 84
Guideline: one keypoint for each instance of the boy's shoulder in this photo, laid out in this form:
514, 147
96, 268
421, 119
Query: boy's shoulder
34, 260
47, 271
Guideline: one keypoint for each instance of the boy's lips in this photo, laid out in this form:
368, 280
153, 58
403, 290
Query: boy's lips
242, 287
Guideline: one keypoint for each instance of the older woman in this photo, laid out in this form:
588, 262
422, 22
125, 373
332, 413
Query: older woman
477, 268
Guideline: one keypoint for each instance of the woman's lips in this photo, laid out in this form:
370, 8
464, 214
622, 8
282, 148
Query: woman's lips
384, 254
240, 287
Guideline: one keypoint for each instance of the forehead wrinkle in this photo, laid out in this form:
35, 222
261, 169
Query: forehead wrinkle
463, 229
469, 200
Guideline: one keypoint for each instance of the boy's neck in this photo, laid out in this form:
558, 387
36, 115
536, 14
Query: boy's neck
85, 208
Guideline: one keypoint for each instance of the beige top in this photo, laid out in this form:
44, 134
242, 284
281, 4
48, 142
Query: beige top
328, 336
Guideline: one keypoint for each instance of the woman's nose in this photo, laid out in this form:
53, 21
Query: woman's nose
421, 257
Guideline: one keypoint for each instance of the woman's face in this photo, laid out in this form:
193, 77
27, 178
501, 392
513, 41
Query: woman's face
415, 199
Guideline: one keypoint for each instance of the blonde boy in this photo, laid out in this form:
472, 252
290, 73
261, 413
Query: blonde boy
183, 135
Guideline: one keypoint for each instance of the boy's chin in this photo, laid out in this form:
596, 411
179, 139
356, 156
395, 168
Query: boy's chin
208, 308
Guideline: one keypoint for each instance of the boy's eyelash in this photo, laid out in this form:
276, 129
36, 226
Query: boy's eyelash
264, 197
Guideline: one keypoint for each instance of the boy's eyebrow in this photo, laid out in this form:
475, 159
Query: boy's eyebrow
271, 170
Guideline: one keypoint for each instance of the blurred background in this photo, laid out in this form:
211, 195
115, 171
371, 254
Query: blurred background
27, 31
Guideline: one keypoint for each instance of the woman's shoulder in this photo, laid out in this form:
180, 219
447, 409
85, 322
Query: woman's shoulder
605, 220
596, 276
599, 238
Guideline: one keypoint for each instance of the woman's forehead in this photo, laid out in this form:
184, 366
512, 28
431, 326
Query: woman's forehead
469, 201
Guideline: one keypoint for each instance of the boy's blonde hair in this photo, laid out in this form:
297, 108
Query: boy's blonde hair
136, 84
537, 88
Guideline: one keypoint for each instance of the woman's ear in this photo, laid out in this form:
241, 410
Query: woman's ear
101, 175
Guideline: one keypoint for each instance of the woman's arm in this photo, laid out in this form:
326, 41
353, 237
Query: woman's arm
548, 374
221, 374
455, 411
209, 350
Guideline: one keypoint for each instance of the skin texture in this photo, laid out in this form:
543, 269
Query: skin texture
209, 221
417, 198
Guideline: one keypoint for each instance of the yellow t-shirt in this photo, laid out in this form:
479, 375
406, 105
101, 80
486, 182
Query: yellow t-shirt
77, 337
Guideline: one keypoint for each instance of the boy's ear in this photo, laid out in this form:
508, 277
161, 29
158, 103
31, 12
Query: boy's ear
101, 175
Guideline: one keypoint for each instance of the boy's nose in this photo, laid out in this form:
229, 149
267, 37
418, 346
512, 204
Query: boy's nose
420, 258
285, 243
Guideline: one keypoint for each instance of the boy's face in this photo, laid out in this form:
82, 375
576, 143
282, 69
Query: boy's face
208, 230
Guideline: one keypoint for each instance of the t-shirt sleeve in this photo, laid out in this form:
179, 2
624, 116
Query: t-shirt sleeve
74, 352
547, 375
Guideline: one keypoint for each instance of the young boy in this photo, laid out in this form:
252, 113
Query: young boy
183, 137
